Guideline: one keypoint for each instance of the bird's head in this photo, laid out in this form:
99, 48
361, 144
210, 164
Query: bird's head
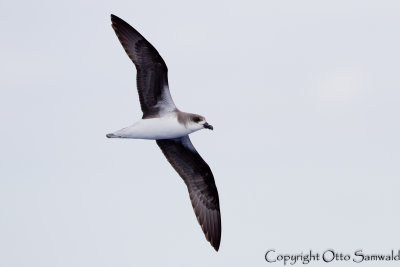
198, 122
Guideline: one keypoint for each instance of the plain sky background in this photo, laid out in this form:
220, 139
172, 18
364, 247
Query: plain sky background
304, 97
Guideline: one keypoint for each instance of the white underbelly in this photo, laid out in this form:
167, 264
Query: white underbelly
156, 128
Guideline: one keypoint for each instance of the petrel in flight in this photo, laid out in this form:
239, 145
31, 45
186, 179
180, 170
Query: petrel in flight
164, 122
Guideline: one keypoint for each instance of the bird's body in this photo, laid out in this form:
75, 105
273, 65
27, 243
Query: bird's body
164, 122
166, 127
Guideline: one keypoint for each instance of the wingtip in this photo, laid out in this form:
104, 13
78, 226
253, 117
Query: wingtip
213, 239
216, 246
215, 242
114, 18
117, 23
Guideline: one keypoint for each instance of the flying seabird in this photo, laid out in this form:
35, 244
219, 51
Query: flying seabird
164, 122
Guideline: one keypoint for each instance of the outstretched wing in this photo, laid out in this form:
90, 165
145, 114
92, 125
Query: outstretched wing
152, 73
199, 179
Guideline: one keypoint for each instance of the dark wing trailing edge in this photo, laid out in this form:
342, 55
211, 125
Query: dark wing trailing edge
199, 179
152, 73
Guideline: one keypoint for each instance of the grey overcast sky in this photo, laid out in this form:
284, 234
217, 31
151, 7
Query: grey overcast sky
304, 97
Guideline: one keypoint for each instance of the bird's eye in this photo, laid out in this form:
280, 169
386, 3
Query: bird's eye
196, 119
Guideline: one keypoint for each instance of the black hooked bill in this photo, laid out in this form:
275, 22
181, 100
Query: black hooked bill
208, 126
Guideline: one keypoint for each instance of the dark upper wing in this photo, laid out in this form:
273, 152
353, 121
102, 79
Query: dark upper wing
152, 73
200, 182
